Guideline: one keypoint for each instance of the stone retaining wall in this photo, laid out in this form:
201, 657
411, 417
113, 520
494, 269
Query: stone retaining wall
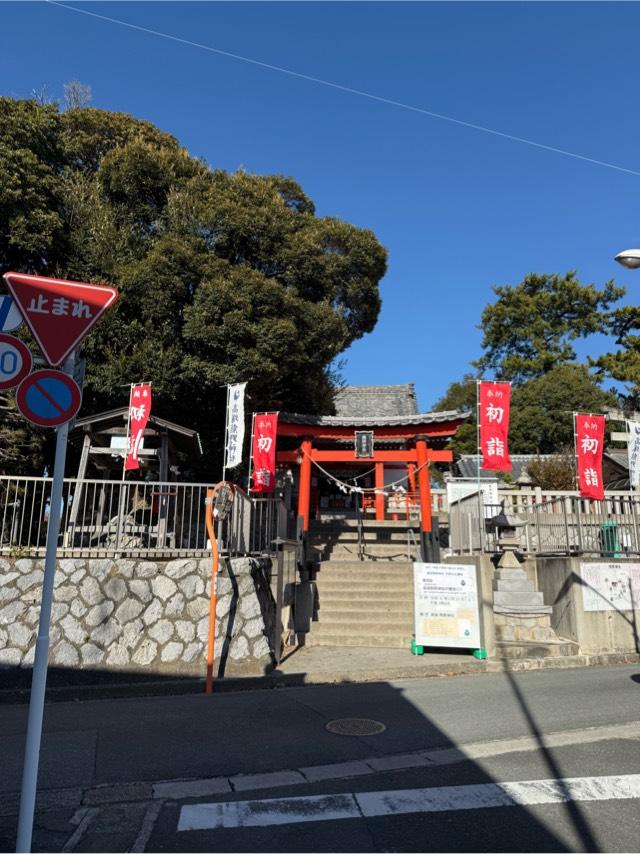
140, 615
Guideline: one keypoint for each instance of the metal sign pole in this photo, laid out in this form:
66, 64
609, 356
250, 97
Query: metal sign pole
41, 660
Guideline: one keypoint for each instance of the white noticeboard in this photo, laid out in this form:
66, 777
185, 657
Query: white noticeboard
610, 586
459, 488
446, 607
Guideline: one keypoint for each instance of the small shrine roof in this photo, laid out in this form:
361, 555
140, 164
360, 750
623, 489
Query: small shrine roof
114, 422
468, 465
374, 420
366, 401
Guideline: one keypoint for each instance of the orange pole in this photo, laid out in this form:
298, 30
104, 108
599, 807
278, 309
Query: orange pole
304, 494
213, 598
424, 484
379, 484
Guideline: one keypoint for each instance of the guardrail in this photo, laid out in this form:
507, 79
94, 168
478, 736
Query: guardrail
106, 518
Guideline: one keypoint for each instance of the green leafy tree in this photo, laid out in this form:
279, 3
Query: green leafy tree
623, 364
541, 409
32, 231
528, 330
222, 277
462, 396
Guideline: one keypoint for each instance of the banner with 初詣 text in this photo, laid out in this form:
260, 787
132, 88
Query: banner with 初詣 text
265, 429
494, 401
589, 445
139, 412
235, 424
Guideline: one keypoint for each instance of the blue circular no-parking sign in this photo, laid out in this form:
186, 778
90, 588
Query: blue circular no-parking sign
49, 398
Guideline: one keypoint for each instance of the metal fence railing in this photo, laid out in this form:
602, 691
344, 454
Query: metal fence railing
562, 525
468, 528
572, 525
269, 520
105, 518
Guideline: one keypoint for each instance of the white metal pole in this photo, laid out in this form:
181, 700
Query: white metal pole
253, 421
126, 444
225, 451
41, 660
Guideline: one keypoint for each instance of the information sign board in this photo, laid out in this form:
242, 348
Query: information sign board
610, 586
446, 606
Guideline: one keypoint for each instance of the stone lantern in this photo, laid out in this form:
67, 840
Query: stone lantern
507, 526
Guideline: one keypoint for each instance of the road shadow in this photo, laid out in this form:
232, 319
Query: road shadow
165, 736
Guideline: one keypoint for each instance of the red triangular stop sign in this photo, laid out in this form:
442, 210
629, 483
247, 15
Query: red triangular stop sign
58, 313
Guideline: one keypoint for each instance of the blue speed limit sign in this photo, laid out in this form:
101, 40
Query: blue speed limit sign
15, 361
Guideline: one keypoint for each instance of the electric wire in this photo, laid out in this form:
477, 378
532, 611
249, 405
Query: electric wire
348, 89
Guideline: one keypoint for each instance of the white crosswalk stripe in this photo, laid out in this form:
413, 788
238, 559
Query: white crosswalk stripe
278, 811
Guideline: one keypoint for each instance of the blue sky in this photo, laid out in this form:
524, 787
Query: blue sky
458, 209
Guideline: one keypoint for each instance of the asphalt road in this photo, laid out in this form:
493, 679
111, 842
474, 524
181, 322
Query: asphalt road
478, 763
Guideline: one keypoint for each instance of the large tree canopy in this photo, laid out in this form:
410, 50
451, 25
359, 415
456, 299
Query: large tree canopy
529, 328
223, 277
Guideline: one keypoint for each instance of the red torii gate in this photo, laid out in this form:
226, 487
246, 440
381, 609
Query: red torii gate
415, 434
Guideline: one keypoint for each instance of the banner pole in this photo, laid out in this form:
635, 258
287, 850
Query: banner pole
253, 421
225, 451
126, 447
41, 659
575, 450
479, 445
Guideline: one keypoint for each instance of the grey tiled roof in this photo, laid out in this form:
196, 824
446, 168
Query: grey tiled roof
468, 464
379, 401
619, 456
373, 421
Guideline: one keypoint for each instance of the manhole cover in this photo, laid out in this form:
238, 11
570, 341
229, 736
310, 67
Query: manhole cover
355, 726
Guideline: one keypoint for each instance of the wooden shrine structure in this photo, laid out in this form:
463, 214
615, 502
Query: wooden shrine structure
103, 443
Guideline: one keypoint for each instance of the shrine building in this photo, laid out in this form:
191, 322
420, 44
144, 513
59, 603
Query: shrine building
379, 443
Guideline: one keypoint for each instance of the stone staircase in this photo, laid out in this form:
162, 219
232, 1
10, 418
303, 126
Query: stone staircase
363, 602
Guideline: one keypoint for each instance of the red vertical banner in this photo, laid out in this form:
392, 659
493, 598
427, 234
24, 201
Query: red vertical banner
139, 411
265, 430
494, 403
589, 434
